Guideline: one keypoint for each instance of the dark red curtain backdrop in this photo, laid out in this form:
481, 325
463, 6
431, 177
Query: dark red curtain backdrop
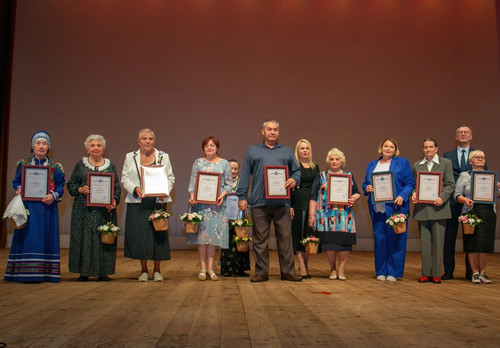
340, 73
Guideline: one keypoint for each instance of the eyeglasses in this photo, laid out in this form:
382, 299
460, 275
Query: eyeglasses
463, 132
209, 145
479, 158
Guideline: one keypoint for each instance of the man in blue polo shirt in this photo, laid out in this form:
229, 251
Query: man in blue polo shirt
269, 153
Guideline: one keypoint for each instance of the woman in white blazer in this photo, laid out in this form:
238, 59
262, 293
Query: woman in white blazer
141, 241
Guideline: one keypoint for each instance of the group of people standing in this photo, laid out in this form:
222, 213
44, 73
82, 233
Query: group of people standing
34, 255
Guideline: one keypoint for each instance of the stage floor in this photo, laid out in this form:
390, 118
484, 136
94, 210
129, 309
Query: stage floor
182, 311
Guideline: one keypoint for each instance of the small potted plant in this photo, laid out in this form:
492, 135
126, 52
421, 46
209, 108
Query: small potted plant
159, 218
398, 222
191, 221
311, 244
469, 222
242, 242
108, 233
241, 226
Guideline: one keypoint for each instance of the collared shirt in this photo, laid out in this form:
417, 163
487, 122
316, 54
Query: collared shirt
256, 158
435, 159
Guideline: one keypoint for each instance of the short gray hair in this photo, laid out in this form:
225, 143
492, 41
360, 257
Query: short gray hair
336, 152
95, 137
272, 121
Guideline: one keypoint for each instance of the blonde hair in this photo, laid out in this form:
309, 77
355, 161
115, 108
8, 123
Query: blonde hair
392, 141
474, 153
336, 152
310, 159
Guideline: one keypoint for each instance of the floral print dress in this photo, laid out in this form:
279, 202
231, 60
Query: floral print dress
214, 228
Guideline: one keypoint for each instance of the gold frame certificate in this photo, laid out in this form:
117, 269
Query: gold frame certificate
383, 187
339, 188
154, 181
35, 182
483, 186
207, 187
429, 186
102, 189
275, 178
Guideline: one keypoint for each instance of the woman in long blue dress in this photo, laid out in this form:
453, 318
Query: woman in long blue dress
34, 252
213, 230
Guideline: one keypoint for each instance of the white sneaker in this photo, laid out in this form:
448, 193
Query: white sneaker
157, 277
484, 279
381, 277
144, 277
391, 279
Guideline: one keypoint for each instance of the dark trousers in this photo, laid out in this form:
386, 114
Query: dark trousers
450, 238
262, 218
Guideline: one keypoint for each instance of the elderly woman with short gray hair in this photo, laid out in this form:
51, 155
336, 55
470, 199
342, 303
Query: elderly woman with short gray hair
87, 255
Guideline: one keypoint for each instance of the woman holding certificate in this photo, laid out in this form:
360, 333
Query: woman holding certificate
93, 206
333, 194
299, 204
435, 185
34, 252
144, 195
389, 182
482, 241
209, 184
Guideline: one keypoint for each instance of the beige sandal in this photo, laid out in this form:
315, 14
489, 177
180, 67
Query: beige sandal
213, 276
333, 275
202, 275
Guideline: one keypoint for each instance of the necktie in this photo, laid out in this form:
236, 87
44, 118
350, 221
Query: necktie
462, 162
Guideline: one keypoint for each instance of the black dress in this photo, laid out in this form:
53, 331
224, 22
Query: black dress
300, 197
483, 239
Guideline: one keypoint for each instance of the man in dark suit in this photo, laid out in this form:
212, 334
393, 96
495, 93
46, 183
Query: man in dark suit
460, 160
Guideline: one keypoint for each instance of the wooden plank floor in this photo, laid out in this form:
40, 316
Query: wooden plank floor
182, 311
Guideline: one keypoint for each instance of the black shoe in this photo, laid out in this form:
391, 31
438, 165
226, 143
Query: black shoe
291, 277
242, 274
468, 275
103, 278
447, 276
82, 278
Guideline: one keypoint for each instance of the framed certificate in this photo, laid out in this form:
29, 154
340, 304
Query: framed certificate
339, 188
207, 187
275, 178
154, 181
483, 186
232, 206
35, 182
429, 186
383, 187
102, 189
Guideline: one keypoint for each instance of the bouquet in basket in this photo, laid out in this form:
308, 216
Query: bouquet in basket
470, 219
242, 223
159, 214
310, 240
109, 228
191, 217
396, 219
237, 239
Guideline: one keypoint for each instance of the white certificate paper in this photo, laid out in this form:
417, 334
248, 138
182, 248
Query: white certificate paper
383, 187
35, 182
483, 186
428, 186
339, 189
275, 178
101, 189
154, 181
232, 207
207, 187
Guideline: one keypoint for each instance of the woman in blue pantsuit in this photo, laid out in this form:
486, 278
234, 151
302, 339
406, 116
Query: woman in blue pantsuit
389, 247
